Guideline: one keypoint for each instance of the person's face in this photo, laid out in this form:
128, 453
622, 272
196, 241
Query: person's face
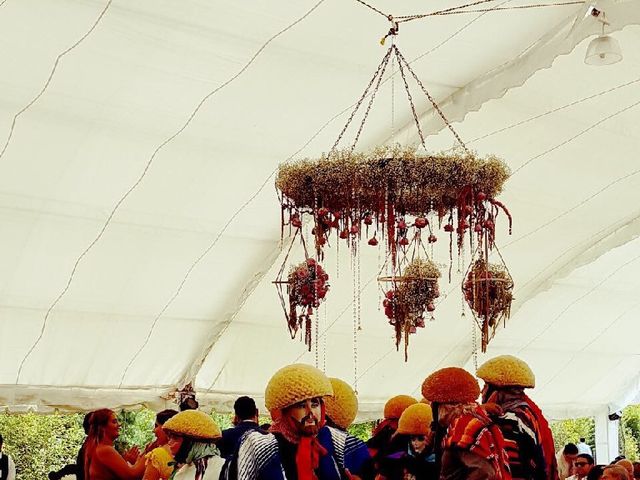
174, 442
160, 435
570, 458
418, 443
582, 467
112, 430
306, 415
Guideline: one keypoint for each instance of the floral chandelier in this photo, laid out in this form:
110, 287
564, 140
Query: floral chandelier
408, 201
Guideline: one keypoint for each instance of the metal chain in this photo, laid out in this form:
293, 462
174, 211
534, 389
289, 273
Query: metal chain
515, 7
460, 9
433, 102
408, 18
413, 107
371, 99
359, 102
393, 102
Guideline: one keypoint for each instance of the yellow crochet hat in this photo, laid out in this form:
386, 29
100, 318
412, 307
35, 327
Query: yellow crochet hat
450, 385
396, 405
161, 460
342, 408
194, 424
416, 420
295, 383
507, 371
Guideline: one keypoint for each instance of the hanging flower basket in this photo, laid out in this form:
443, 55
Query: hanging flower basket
487, 288
393, 191
412, 294
306, 286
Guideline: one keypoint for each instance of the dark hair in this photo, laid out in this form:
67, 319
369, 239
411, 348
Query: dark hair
570, 449
587, 457
595, 473
165, 415
245, 408
1, 439
582, 439
86, 423
183, 451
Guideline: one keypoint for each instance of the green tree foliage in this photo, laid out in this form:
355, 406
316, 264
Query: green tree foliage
361, 430
39, 444
630, 426
136, 429
570, 431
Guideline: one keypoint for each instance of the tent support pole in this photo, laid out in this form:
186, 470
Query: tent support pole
607, 443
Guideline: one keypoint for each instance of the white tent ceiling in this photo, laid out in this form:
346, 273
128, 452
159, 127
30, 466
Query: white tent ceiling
140, 228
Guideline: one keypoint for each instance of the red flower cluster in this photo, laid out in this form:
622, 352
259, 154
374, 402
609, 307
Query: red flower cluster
308, 284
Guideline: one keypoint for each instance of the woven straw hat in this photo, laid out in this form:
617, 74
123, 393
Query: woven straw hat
416, 420
396, 405
507, 371
194, 424
342, 408
450, 385
295, 383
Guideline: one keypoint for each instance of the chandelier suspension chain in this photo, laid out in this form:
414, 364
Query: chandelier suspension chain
371, 100
413, 107
382, 65
459, 9
431, 99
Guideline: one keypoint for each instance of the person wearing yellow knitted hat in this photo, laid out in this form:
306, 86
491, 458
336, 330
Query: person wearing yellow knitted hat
383, 442
468, 444
528, 438
416, 460
299, 445
191, 440
342, 407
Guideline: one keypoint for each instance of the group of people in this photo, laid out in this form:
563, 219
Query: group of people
448, 435
576, 462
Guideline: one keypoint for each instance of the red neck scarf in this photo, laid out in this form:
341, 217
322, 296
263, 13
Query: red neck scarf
309, 450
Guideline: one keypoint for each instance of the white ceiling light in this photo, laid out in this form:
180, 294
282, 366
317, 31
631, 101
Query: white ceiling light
603, 50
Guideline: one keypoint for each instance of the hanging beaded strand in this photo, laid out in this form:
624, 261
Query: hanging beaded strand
324, 338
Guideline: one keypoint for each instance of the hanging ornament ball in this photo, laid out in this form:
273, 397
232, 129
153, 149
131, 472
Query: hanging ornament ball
477, 228
344, 234
296, 222
448, 227
354, 229
421, 222
402, 224
481, 196
323, 212
431, 307
368, 219
432, 238
373, 241
404, 241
